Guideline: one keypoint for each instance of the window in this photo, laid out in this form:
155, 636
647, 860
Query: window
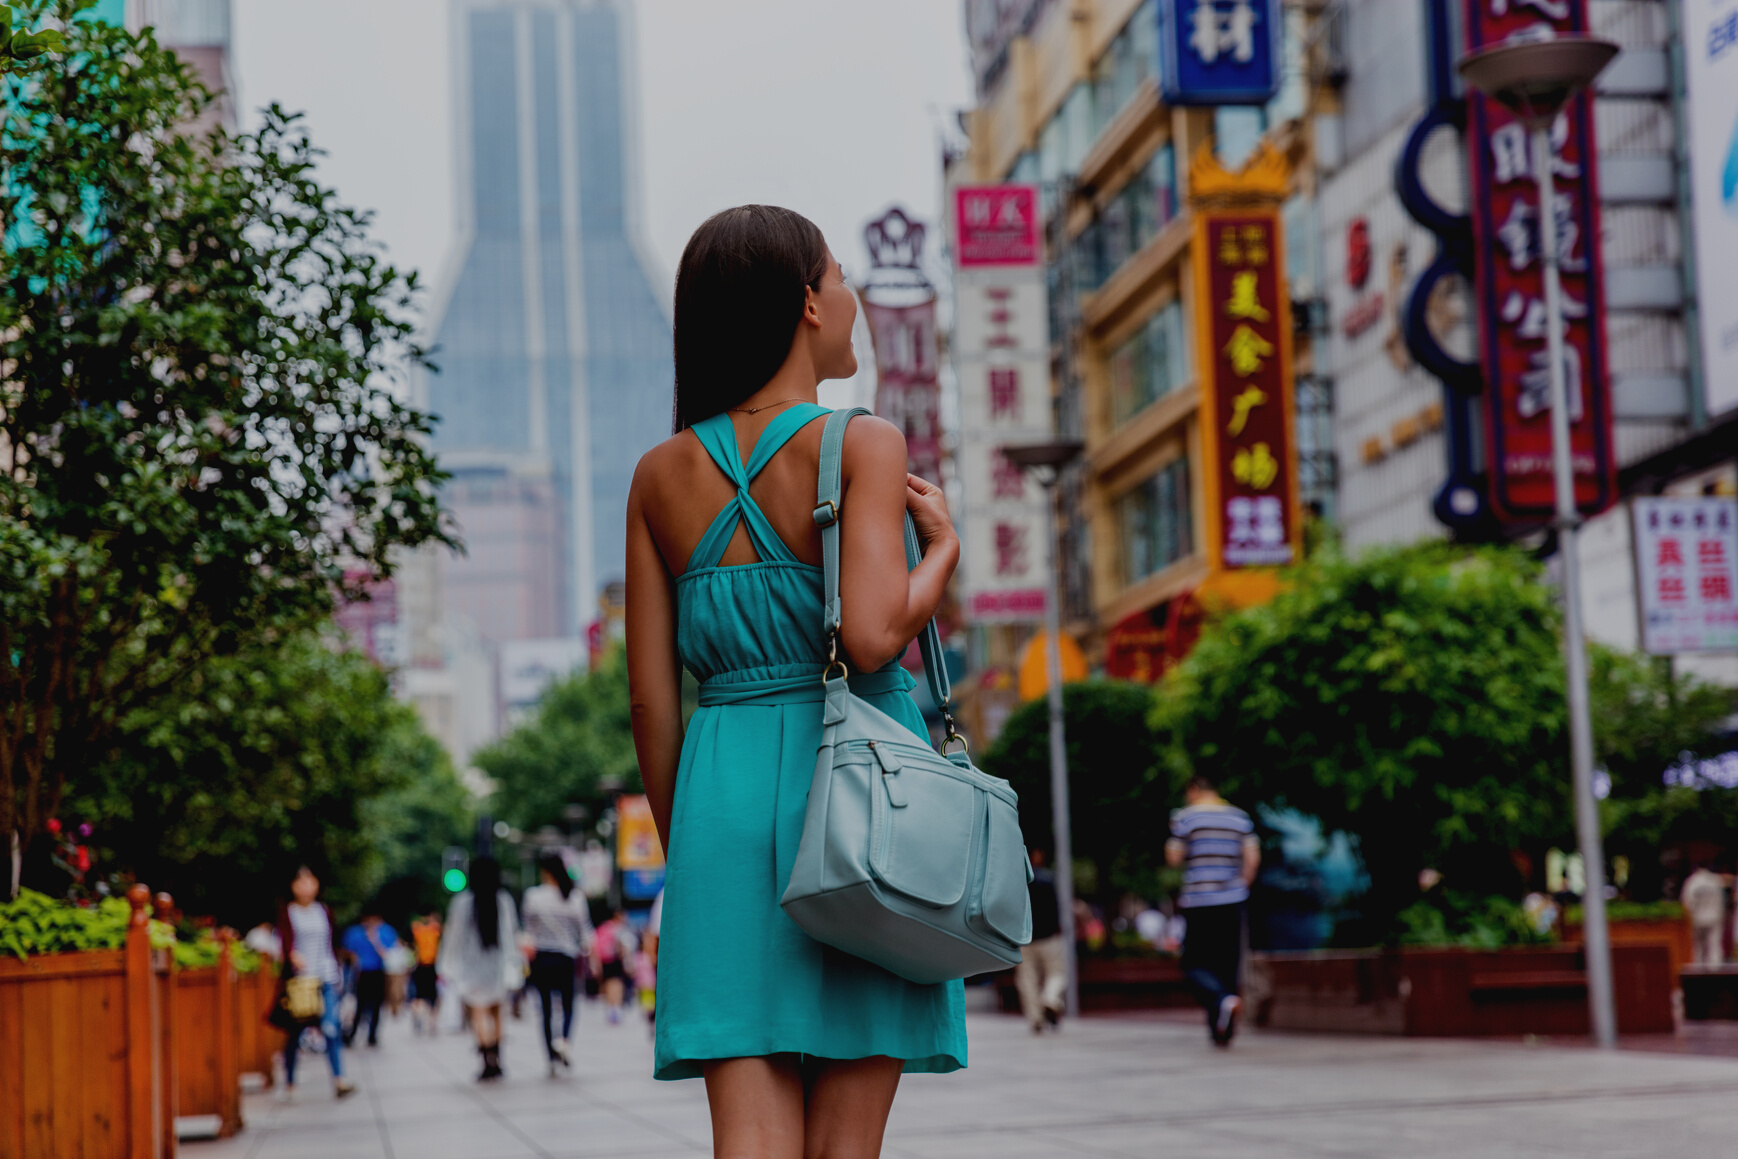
1153, 362
1155, 522
1128, 60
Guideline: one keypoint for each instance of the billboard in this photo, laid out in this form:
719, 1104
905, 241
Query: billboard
1509, 285
1244, 324
1685, 552
1220, 52
1710, 31
1001, 346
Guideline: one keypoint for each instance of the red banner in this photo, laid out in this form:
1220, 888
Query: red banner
1510, 287
908, 393
1244, 329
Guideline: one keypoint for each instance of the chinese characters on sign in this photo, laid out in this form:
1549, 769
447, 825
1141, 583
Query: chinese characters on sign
1685, 554
998, 226
1219, 52
1246, 401
1510, 283
908, 393
1002, 354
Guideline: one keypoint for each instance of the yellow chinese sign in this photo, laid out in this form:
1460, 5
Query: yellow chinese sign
1245, 352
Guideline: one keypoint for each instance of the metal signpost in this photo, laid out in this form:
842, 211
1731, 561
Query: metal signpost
1534, 81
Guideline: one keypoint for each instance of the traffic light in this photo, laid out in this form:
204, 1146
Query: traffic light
455, 866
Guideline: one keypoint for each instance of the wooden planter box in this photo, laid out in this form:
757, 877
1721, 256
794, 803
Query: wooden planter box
87, 1045
1116, 984
1673, 933
1455, 992
208, 1018
260, 1042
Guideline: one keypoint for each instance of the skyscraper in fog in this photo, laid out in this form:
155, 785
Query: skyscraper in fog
553, 345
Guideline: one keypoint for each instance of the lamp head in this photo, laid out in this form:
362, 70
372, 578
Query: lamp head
1534, 79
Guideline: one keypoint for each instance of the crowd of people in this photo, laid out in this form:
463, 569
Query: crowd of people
486, 953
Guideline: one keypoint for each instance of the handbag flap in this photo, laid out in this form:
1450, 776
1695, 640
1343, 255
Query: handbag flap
917, 849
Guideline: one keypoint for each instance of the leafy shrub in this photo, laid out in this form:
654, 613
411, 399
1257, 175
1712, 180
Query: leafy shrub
34, 923
1460, 919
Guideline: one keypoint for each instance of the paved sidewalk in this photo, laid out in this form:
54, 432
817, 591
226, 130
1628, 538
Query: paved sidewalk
1119, 1087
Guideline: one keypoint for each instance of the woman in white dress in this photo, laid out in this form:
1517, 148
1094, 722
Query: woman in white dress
480, 959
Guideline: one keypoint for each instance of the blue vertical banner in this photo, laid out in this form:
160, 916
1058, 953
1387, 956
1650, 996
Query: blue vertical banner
1219, 52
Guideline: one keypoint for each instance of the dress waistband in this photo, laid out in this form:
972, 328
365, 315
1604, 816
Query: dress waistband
801, 689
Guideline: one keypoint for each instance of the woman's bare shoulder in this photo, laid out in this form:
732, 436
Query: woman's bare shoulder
659, 466
874, 444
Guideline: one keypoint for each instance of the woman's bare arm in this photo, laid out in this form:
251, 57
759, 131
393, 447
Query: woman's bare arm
654, 671
882, 606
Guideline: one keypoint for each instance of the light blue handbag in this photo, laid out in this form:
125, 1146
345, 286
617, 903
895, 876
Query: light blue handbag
909, 859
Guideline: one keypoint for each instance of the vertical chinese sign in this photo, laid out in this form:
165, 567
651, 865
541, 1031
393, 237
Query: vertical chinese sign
1686, 551
899, 306
1510, 284
1244, 324
1002, 355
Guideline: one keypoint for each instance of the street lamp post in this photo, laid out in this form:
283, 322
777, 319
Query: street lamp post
1534, 81
1046, 461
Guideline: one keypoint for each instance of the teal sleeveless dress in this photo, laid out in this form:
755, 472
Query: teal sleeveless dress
736, 977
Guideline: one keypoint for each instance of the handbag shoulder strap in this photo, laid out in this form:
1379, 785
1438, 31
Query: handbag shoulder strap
828, 490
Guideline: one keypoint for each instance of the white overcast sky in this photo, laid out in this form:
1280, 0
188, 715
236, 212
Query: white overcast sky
830, 107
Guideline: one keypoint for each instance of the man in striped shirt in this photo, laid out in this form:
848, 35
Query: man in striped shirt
1215, 843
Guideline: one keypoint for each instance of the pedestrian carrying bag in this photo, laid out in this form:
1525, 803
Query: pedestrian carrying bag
910, 859
304, 1000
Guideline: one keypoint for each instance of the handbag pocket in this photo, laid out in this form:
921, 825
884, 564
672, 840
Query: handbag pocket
915, 831
1003, 904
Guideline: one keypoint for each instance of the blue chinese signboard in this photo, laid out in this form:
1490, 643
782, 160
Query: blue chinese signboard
1219, 52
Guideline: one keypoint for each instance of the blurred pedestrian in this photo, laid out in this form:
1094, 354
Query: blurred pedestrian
558, 923
369, 942
425, 935
1215, 843
646, 973
1042, 975
1704, 900
305, 932
480, 959
616, 946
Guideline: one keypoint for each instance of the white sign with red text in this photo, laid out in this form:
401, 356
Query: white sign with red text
1001, 349
1686, 550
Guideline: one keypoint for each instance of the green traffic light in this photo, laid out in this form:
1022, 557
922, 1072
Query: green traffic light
454, 880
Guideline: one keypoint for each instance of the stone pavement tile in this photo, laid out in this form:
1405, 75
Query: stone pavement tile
481, 1138
590, 1129
335, 1143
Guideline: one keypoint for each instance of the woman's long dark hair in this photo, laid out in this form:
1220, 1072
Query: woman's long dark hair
486, 900
739, 297
552, 864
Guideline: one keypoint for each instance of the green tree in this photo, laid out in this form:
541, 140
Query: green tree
259, 762
578, 739
1411, 696
1117, 801
410, 826
198, 349
1648, 719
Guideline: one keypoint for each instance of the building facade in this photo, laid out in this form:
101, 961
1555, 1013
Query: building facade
1068, 97
552, 341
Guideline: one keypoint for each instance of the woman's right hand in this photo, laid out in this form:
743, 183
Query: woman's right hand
928, 507
298, 961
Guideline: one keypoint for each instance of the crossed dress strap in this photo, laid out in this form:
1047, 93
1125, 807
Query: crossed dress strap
718, 436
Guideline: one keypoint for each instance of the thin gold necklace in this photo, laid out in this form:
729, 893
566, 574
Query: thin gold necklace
754, 410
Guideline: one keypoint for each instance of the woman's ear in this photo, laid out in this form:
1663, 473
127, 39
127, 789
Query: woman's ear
811, 306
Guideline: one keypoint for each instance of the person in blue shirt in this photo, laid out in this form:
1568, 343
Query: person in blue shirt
367, 944
1215, 844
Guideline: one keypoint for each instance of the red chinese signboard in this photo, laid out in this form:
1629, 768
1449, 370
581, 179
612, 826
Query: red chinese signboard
1510, 286
997, 225
1244, 328
909, 393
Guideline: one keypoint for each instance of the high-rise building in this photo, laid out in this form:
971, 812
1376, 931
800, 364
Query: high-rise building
552, 342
